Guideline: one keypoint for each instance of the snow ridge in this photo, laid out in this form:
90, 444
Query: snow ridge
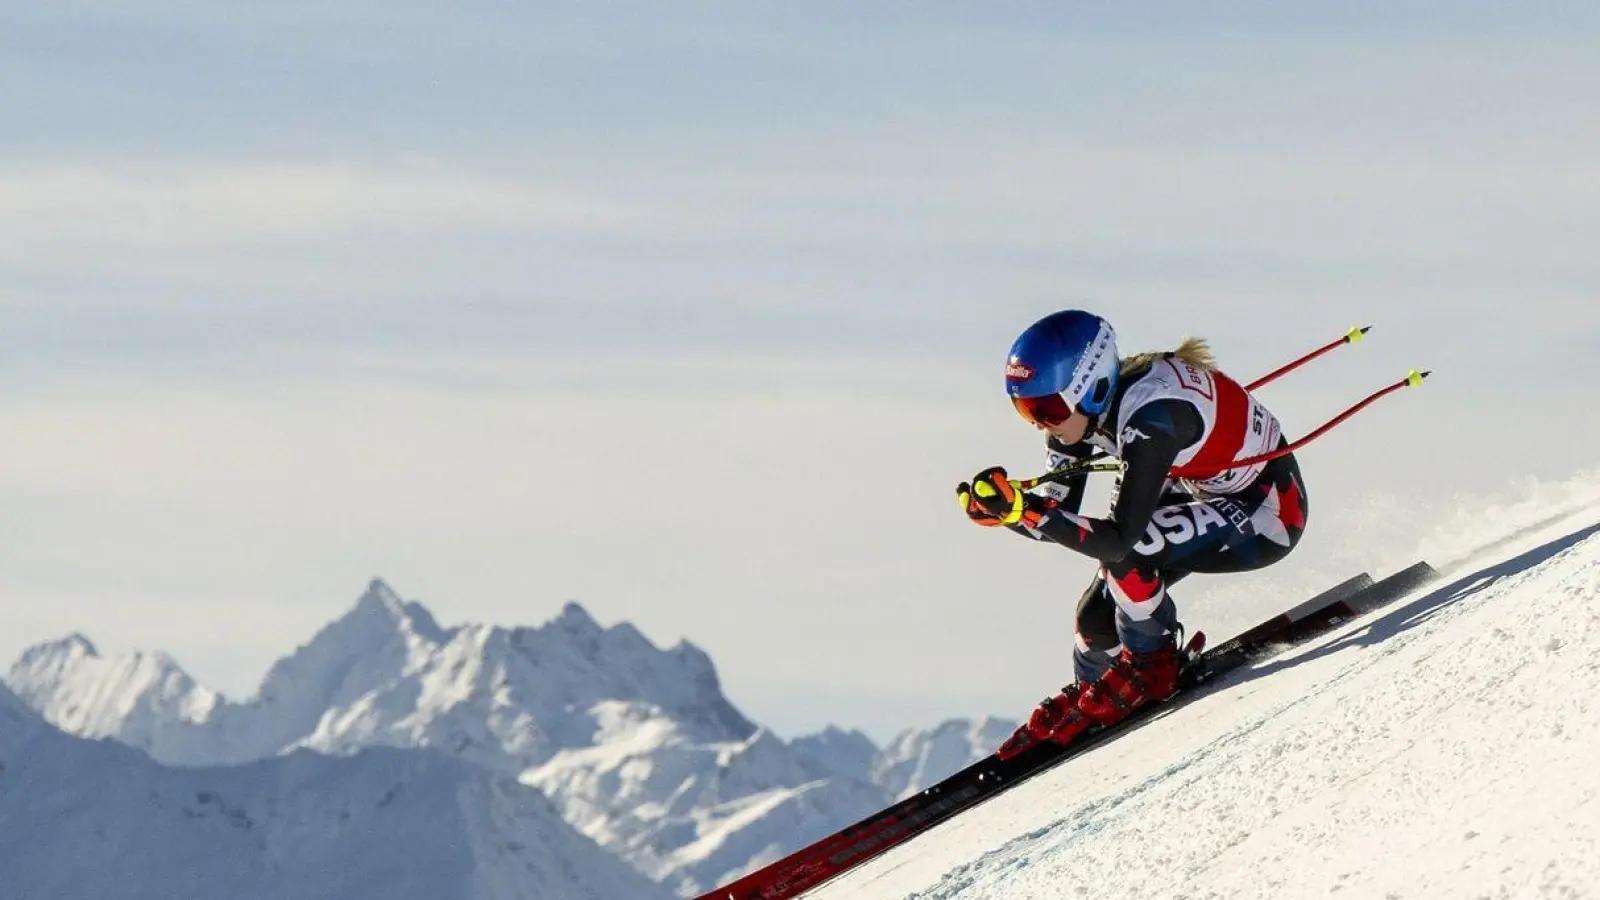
849, 753
143, 699
387, 674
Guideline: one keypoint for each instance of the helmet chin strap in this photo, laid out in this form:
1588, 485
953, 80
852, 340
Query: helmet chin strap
1094, 425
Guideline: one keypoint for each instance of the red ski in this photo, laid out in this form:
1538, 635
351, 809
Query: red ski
834, 855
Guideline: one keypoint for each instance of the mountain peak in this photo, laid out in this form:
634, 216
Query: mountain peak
835, 733
849, 753
73, 646
382, 605
49, 659
575, 618
366, 647
380, 596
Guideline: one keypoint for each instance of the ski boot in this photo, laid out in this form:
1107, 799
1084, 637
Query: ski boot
1063, 718
1057, 720
1134, 680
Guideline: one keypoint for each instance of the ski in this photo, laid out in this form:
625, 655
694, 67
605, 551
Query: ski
989, 777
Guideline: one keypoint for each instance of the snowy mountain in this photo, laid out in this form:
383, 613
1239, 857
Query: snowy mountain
637, 746
143, 699
916, 759
1442, 747
913, 760
849, 753
95, 819
387, 674
693, 814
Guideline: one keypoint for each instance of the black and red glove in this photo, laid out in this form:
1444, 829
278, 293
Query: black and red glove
992, 499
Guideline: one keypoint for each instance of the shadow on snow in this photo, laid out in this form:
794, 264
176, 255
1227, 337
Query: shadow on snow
1420, 610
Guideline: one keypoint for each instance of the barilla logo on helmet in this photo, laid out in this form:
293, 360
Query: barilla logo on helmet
1017, 370
1092, 365
1068, 353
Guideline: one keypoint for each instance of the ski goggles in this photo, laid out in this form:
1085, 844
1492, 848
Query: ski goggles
1048, 411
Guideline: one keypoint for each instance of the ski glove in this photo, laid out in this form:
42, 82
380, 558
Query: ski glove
992, 499
973, 509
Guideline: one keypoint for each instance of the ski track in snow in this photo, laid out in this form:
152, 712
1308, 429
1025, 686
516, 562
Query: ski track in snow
1446, 746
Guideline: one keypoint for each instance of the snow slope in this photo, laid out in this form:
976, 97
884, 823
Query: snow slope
95, 819
1448, 746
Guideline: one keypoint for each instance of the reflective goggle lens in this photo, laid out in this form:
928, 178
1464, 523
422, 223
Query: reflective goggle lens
1049, 410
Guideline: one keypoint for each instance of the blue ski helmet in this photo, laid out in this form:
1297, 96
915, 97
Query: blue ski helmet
1065, 361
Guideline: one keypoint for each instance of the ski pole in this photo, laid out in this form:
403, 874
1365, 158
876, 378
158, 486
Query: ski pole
1092, 464
1353, 336
1412, 379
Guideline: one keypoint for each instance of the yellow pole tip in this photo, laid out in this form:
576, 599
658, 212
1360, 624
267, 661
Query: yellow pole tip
1355, 335
1415, 378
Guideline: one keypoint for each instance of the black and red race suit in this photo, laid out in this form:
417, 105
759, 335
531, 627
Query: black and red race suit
1166, 415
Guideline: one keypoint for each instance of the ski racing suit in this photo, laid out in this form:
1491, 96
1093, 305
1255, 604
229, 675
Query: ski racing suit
1160, 529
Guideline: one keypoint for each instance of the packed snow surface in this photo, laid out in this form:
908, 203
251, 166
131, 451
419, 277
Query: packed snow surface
1446, 746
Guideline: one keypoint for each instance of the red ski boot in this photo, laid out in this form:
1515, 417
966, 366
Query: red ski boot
1057, 720
1132, 681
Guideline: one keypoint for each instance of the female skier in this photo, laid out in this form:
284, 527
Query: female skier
1178, 425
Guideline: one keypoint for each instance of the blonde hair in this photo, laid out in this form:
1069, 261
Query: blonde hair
1193, 350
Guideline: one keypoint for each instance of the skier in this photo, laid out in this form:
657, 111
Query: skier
1156, 412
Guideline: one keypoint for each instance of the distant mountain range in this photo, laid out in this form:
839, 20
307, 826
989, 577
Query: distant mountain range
635, 747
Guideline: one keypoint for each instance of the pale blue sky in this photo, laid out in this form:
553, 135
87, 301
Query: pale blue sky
695, 312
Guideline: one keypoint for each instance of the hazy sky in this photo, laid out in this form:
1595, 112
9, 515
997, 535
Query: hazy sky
695, 312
